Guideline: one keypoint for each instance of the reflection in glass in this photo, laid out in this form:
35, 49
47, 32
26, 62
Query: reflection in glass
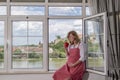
27, 10
58, 29
27, 50
3, 10
65, 11
95, 40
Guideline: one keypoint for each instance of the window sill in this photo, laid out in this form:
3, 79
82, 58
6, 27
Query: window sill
96, 72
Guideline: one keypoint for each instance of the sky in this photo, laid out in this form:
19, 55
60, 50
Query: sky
32, 29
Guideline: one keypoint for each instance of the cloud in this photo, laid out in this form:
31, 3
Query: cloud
66, 11
62, 26
27, 10
3, 10
33, 28
1, 28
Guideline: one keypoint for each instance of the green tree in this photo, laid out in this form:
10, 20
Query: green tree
33, 55
17, 52
2, 54
58, 50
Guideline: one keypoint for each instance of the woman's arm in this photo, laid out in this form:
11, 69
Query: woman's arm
66, 51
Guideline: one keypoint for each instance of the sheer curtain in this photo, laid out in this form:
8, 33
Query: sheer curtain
112, 8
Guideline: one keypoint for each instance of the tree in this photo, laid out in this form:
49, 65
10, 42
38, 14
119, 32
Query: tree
17, 52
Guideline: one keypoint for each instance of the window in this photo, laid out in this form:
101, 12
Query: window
27, 49
2, 44
3, 10
96, 41
30, 29
65, 11
58, 29
27, 10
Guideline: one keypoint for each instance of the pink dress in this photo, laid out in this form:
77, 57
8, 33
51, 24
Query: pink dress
76, 73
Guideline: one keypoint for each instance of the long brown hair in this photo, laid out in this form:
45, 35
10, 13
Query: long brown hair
77, 39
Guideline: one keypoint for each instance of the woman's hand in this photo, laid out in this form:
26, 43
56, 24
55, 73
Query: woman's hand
71, 65
66, 44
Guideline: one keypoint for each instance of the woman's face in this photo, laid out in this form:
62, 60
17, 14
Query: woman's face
71, 38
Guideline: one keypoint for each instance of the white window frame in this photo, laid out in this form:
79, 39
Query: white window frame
105, 42
23, 18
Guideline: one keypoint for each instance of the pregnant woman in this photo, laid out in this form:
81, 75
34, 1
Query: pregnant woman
74, 68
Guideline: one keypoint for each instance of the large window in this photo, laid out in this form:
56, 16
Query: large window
2, 44
27, 50
32, 33
58, 29
95, 37
61, 21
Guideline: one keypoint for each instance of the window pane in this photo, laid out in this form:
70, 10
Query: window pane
27, 10
19, 27
95, 41
35, 28
27, 49
3, 10
68, 1
1, 44
27, 0
58, 29
65, 11
88, 12
1, 28
35, 52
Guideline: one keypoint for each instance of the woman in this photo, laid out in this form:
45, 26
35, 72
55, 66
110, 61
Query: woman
75, 66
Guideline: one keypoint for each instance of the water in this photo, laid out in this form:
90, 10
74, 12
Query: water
54, 63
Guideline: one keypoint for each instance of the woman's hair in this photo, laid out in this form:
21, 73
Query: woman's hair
74, 34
